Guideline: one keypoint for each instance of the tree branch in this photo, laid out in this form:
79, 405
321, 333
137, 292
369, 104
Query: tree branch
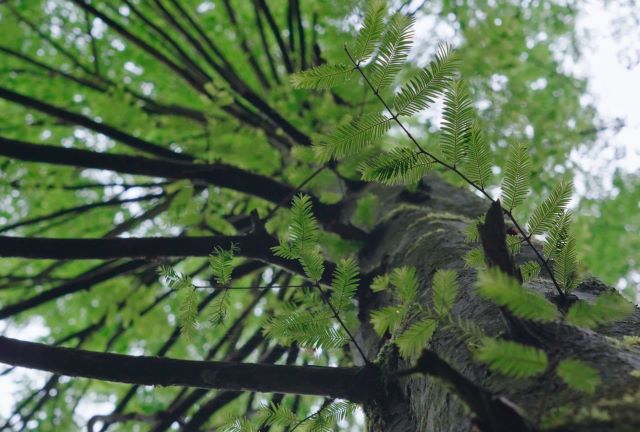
345, 383
102, 128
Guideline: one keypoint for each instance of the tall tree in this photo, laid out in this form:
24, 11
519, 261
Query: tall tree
217, 231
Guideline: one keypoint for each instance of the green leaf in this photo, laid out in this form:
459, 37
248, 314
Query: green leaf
312, 263
239, 424
478, 163
530, 270
471, 233
221, 262
514, 244
399, 166
219, 308
386, 319
512, 359
557, 236
322, 77
188, 310
445, 291
457, 118
505, 291
608, 308
405, 281
475, 259
430, 82
515, 184
353, 137
380, 283
394, 48
345, 283
412, 341
371, 31
310, 329
566, 266
303, 228
277, 415
579, 375
545, 216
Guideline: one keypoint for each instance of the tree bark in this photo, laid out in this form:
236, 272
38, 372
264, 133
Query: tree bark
424, 229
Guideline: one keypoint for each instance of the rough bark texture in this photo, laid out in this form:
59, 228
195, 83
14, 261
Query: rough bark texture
425, 229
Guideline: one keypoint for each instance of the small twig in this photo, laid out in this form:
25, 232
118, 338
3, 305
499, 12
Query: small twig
251, 287
342, 324
292, 193
322, 408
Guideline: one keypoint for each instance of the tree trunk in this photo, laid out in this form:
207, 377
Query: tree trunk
424, 229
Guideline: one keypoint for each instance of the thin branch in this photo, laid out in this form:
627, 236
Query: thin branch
327, 301
244, 44
261, 5
102, 128
79, 209
85, 281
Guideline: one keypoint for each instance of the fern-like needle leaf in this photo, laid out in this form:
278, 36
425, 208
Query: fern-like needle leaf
512, 359
478, 162
353, 137
607, 308
344, 283
547, 213
322, 77
445, 291
566, 265
415, 338
431, 82
515, 184
578, 375
502, 289
457, 118
371, 31
394, 48
399, 166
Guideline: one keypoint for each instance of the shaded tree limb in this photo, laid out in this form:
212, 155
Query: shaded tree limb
347, 383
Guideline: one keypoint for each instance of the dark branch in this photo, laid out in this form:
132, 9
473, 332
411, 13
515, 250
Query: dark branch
345, 383
102, 128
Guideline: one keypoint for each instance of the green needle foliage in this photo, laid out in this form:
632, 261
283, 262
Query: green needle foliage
503, 290
422, 323
517, 171
188, 311
371, 31
399, 166
353, 137
478, 161
578, 375
512, 359
393, 51
431, 82
546, 215
322, 77
445, 291
457, 118
606, 309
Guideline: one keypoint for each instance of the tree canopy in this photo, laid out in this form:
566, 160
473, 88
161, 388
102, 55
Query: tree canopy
172, 174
